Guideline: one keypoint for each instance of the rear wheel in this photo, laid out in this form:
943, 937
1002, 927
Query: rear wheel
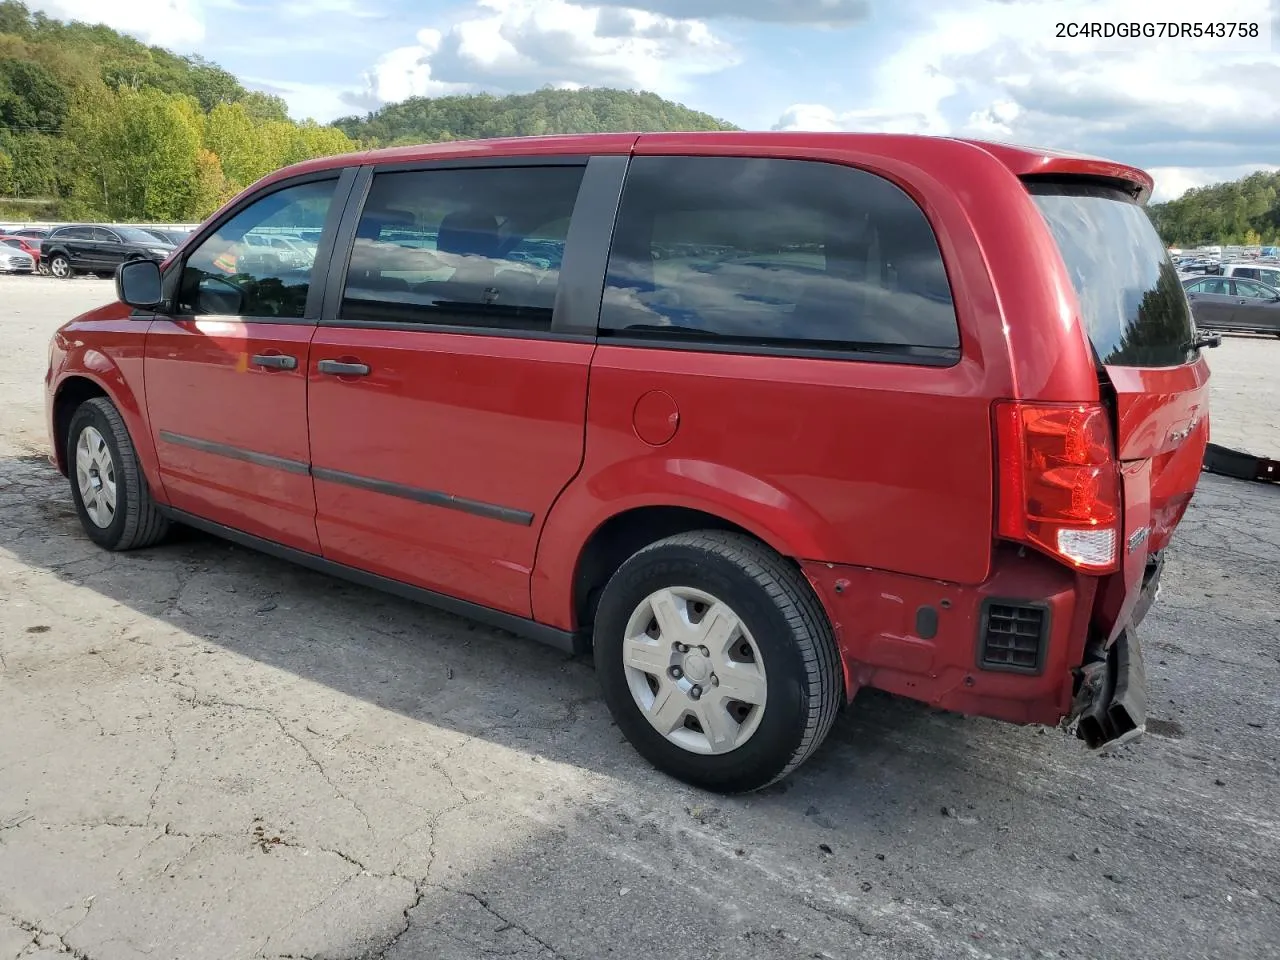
717, 661
60, 267
107, 484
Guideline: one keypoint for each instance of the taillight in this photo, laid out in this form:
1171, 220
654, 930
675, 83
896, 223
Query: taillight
1059, 484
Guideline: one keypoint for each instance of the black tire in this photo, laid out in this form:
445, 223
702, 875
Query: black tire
796, 643
137, 522
60, 267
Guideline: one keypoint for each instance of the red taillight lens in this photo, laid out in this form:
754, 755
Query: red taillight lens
1059, 485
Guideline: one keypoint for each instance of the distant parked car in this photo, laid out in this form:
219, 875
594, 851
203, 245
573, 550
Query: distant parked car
1234, 304
29, 233
27, 246
16, 256
174, 237
1262, 272
89, 248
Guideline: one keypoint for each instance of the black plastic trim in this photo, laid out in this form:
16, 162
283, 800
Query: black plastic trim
236, 453
343, 243
586, 250
432, 498
505, 332
936, 357
1046, 631
540, 632
497, 160
320, 270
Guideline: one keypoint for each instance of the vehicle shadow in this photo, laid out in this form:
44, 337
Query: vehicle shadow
909, 833
417, 661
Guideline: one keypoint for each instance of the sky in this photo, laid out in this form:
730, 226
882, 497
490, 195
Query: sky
1191, 112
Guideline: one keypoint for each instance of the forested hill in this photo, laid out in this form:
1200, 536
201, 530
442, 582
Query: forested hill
1244, 211
423, 120
96, 125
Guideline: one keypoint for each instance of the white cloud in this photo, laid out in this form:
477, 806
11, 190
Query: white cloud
178, 24
516, 45
823, 12
993, 69
813, 116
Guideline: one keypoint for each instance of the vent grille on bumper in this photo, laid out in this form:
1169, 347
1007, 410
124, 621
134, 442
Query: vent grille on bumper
1013, 637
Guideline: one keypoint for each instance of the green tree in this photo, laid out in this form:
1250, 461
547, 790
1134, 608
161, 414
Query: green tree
264, 106
139, 153
31, 97
233, 135
440, 119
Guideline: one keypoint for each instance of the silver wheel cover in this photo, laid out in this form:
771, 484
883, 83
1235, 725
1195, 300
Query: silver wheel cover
694, 670
96, 477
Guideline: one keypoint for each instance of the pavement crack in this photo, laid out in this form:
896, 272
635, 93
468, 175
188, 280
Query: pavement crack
40, 934
102, 731
164, 771
509, 924
297, 741
420, 894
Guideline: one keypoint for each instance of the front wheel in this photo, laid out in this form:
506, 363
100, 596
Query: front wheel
107, 483
717, 661
60, 267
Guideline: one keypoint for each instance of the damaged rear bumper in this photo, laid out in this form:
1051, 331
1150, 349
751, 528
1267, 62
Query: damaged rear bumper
1111, 703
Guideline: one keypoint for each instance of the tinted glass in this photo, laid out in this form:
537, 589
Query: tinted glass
227, 275
775, 253
143, 237
1247, 288
1133, 304
475, 248
105, 236
11, 242
1247, 272
73, 233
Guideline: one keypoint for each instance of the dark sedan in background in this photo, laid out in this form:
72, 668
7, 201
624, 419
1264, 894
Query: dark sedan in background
1233, 304
91, 248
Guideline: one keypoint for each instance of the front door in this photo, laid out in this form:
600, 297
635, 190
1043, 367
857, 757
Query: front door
108, 249
448, 392
1256, 307
226, 373
1211, 303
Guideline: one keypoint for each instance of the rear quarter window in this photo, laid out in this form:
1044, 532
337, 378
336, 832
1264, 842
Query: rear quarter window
1132, 302
754, 254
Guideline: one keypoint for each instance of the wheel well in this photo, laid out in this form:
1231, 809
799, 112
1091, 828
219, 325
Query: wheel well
73, 392
617, 539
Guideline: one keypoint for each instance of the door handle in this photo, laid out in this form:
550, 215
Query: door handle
340, 368
275, 361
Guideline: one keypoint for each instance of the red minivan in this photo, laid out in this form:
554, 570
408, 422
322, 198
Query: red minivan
760, 419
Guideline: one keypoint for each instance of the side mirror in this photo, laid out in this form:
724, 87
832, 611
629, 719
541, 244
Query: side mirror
138, 284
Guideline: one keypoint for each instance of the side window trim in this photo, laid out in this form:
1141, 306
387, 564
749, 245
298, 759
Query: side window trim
577, 309
343, 179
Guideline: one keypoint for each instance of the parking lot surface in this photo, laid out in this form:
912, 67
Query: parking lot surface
208, 753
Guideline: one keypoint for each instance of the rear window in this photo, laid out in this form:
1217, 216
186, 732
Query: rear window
1133, 303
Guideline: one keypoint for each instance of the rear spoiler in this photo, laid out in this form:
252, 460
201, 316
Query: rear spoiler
1241, 466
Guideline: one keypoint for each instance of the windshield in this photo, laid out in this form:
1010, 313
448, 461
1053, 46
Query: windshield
1131, 298
134, 235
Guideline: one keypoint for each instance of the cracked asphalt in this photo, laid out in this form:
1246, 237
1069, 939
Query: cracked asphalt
207, 753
